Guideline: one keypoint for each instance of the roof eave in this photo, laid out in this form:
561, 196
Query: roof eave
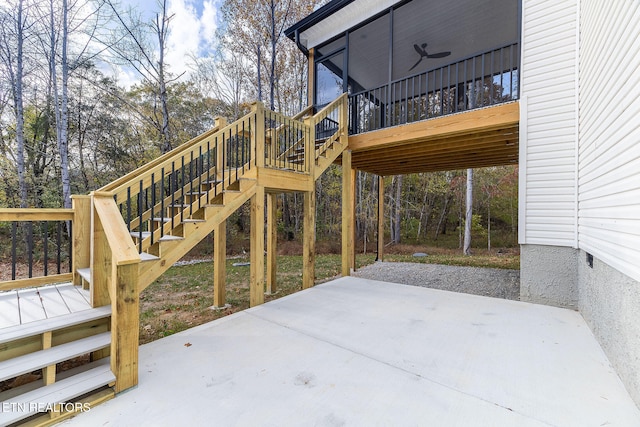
309, 21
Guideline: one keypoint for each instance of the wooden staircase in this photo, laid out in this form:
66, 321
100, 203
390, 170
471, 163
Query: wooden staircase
43, 344
131, 231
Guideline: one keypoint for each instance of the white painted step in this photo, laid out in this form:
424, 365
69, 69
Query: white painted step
146, 234
85, 273
27, 404
30, 362
35, 328
144, 256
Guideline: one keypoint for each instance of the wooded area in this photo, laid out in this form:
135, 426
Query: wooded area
67, 126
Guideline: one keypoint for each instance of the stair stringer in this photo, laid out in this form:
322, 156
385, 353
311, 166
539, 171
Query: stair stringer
193, 234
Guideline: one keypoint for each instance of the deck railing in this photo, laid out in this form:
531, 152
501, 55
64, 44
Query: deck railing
482, 80
36, 247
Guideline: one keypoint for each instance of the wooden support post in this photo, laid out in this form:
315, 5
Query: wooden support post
256, 291
220, 264
347, 213
311, 78
380, 218
272, 240
352, 255
309, 245
125, 327
81, 235
48, 372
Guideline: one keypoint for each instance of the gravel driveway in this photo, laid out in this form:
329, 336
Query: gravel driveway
490, 282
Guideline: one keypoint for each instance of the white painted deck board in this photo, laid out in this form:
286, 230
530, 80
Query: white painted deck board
60, 391
31, 308
73, 298
52, 302
9, 315
32, 361
20, 331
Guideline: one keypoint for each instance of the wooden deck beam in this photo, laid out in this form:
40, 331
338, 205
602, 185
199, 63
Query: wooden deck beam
478, 138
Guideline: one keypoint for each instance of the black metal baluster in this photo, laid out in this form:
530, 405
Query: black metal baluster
140, 211
153, 206
14, 232
30, 247
70, 246
162, 211
45, 244
59, 243
191, 184
129, 209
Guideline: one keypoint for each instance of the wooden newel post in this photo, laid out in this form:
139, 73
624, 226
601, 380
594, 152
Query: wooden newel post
81, 235
115, 266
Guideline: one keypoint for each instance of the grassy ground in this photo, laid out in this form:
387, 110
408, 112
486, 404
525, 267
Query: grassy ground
182, 297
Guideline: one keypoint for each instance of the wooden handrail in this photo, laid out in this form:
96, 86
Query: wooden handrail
118, 187
118, 238
219, 122
35, 214
305, 112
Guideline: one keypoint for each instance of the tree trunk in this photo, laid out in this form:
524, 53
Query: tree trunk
61, 102
469, 213
272, 75
19, 108
162, 30
398, 210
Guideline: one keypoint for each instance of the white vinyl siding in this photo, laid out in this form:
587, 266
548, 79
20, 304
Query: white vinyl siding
609, 148
548, 132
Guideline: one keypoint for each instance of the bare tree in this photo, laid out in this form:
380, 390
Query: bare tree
133, 48
13, 32
469, 214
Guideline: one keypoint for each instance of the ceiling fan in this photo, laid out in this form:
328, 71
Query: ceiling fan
423, 54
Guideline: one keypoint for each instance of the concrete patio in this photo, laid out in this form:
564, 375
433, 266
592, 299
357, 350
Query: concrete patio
362, 352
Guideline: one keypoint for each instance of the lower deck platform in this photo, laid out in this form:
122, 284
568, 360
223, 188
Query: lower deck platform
361, 352
23, 306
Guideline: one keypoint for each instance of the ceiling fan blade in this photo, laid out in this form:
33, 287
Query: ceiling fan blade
418, 49
439, 55
416, 64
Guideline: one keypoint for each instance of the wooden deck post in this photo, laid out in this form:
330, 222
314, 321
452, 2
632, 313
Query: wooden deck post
220, 264
272, 240
125, 327
81, 235
380, 256
309, 245
256, 287
258, 139
347, 213
352, 255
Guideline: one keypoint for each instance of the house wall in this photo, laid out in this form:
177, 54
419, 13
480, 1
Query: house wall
548, 147
609, 181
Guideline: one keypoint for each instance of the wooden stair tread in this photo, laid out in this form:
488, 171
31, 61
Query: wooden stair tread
58, 392
40, 326
30, 362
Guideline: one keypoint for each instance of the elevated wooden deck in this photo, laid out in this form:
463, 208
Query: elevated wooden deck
472, 139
